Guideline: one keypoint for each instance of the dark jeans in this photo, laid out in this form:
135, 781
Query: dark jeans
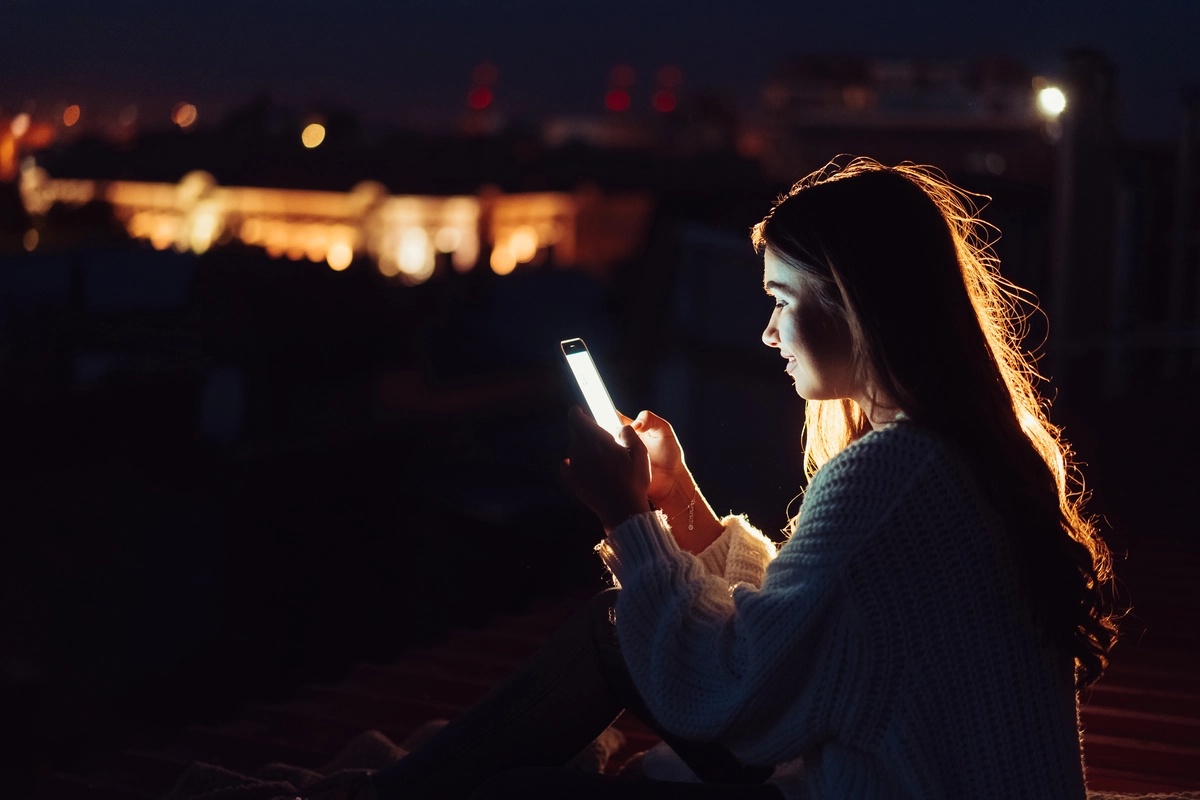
520, 734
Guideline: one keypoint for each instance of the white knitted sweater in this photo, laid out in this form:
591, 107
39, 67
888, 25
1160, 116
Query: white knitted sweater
886, 644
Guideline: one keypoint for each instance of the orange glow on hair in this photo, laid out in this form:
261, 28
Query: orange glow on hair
997, 413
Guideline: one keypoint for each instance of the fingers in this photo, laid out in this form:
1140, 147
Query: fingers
579, 422
582, 428
628, 437
585, 436
649, 421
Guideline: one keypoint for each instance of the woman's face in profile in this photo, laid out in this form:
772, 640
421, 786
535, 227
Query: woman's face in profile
814, 341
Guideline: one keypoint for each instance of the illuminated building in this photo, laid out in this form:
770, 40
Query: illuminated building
405, 236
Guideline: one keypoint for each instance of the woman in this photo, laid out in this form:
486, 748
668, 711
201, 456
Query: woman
924, 630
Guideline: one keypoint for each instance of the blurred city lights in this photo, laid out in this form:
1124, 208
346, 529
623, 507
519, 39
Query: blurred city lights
252, 231
162, 235
1051, 101
403, 235
275, 238
523, 244
479, 98
414, 257
30, 240
481, 95
664, 101
312, 135
617, 100
71, 115
502, 261
340, 255
447, 240
184, 115
20, 125
205, 225
316, 242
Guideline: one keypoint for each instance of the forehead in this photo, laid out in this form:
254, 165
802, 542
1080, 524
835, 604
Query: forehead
779, 275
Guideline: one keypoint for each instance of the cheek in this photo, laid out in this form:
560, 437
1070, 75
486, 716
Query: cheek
823, 336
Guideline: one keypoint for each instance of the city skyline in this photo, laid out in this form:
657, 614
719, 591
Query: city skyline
414, 62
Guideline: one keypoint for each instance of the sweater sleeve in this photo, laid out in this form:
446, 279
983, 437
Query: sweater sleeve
745, 663
740, 554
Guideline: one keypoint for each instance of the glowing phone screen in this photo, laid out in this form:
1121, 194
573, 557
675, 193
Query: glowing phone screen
594, 392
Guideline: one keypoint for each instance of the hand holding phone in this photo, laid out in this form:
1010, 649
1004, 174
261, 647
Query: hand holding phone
595, 394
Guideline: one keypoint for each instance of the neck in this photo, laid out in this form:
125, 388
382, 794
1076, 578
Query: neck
881, 411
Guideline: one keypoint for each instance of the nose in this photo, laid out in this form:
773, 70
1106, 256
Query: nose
770, 336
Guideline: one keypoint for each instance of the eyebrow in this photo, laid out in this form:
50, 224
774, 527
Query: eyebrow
775, 286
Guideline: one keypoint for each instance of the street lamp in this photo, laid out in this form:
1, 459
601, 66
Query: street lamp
1051, 102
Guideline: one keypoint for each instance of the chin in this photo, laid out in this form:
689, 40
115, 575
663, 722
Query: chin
815, 393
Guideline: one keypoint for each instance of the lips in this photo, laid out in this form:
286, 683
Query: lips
791, 364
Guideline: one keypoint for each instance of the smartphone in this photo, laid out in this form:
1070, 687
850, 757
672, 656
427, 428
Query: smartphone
579, 359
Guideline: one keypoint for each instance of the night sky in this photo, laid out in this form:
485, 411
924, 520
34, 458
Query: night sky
400, 61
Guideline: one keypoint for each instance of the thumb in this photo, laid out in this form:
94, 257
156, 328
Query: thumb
649, 420
631, 440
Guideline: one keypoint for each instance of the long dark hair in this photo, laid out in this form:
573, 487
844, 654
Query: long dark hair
902, 254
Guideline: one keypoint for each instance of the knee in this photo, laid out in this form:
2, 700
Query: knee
600, 611
599, 604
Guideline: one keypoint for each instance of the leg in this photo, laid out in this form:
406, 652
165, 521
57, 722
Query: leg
571, 690
541, 716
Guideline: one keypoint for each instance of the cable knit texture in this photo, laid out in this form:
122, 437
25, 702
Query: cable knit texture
887, 644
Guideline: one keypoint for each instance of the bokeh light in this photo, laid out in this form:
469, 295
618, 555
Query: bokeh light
502, 261
480, 98
71, 115
414, 257
206, 224
617, 100
184, 115
20, 125
340, 256
523, 244
447, 240
1051, 101
664, 101
312, 135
